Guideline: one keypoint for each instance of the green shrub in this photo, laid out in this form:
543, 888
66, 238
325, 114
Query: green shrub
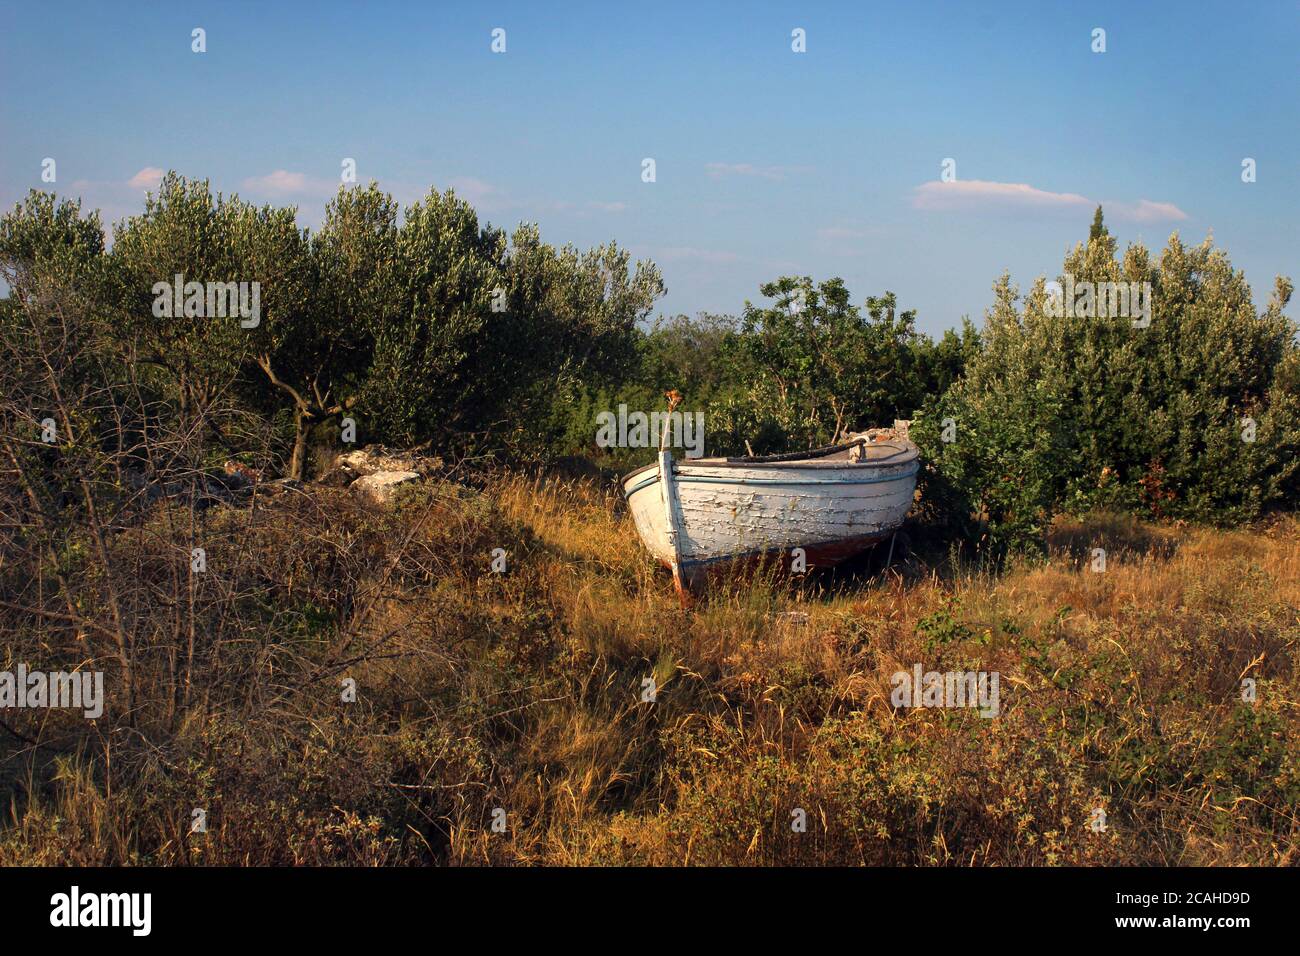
1062, 412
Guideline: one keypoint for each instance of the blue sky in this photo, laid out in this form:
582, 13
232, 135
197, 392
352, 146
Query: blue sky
768, 162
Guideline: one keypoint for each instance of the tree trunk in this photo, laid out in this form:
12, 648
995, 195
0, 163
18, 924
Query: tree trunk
298, 462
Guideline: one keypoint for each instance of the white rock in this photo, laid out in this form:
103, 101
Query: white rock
379, 487
377, 458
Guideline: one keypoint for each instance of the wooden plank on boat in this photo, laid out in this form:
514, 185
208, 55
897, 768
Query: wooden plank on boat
671, 520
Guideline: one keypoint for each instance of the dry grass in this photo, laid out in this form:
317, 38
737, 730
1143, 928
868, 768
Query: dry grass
1120, 690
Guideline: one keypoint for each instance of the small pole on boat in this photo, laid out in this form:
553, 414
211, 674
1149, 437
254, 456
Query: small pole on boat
670, 499
674, 399
890, 559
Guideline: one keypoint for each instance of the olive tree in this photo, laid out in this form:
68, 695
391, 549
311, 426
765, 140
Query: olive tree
186, 267
1188, 408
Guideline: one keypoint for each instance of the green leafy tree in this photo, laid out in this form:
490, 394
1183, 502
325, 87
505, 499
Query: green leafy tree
43, 237
319, 357
1098, 229
567, 341
688, 354
939, 364
188, 232
49, 251
421, 384
818, 367
1076, 411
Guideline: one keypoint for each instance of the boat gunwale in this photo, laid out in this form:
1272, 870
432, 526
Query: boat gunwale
806, 463
778, 482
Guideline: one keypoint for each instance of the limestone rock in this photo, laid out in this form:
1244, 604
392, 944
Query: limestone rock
379, 486
376, 458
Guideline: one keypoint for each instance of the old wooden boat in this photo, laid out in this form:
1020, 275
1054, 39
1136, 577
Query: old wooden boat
835, 502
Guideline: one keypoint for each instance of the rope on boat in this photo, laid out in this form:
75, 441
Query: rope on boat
821, 452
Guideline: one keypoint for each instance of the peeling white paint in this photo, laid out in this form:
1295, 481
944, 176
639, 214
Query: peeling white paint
824, 502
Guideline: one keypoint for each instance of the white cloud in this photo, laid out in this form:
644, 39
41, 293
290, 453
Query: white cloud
973, 194
1144, 211
283, 182
475, 191
979, 193
147, 178
280, 182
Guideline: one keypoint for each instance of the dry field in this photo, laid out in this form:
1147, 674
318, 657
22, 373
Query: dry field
479, 692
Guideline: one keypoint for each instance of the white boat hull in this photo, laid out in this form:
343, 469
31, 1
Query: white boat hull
717, 511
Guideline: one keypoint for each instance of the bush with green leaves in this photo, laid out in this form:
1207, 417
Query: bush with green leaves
807, 369
818, 367
568, 338
49, 250
430, 328
1195, 416
187, 231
